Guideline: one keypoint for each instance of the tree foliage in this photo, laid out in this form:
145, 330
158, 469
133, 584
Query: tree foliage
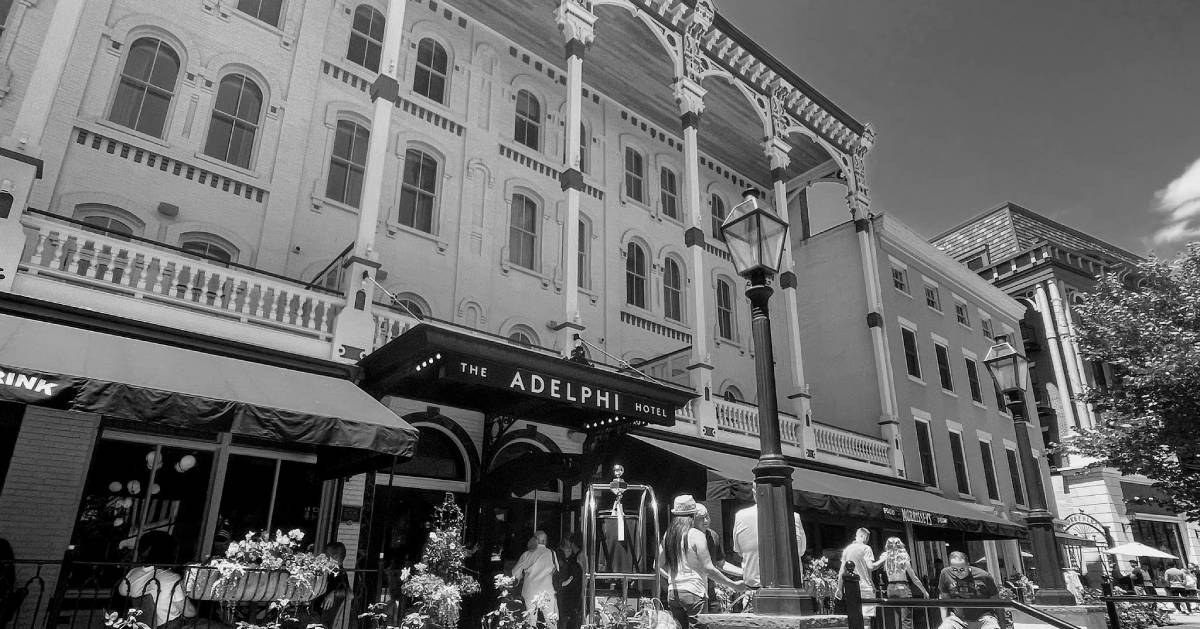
1150, 415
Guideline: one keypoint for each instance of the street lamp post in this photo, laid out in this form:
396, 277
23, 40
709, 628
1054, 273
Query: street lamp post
755, 238
1010, 372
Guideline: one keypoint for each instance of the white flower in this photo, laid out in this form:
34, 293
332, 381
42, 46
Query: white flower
404, 574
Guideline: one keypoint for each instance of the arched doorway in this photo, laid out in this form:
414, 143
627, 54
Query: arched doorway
1085, 549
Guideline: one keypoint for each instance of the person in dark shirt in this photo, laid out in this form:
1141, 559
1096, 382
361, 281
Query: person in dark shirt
962, 580
328, 605
1137, 577
570, 597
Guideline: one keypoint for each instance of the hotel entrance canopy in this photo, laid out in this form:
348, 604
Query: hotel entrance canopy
64, 367
496, 376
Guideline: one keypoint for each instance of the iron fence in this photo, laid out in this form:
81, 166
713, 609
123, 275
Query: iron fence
66, 594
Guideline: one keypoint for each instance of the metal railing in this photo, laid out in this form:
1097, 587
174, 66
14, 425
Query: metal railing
68, 594
852, 597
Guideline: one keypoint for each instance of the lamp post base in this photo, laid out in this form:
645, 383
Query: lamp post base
778, 553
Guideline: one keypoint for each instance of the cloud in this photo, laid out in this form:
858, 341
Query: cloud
1180, 202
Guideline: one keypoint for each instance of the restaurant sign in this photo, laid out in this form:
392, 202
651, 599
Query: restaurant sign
915, 516
577, 393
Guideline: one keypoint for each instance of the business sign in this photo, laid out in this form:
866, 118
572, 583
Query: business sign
584, 395
915, 516
31, 387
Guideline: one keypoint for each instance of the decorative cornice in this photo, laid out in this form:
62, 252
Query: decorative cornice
689, 96
576, 22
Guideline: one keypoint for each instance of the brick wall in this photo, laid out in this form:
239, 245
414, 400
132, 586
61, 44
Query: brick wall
40, 498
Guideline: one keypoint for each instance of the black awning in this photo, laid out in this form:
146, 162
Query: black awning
854, 498
69, 368
494, 375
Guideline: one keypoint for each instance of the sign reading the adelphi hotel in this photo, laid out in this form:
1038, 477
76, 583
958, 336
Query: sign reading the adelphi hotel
555, 387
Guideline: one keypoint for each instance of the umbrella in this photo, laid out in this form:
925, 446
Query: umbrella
1136, 549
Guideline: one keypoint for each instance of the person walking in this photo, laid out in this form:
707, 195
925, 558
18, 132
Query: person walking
863, 561
535, 569
962, 580
685, 563
901, 577
745, 542
1177, 586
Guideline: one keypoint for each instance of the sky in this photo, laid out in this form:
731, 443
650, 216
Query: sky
1086, 111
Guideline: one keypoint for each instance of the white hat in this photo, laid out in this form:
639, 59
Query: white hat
684, 505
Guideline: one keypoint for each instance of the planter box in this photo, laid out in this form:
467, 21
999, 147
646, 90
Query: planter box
255, 586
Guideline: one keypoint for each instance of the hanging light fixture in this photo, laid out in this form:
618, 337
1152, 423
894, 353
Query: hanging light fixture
185, 463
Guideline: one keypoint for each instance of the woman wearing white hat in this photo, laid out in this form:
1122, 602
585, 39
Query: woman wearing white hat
687, 566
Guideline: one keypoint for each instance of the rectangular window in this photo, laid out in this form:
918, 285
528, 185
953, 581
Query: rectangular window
1014, 468
973, 380
911, 358
960, 313
584, 271
932, 298
670, 192
724, 310
925, 449
943, 361
635, 175
989, 470
522, 232
986, 324
900, 279
960, 463
266, 10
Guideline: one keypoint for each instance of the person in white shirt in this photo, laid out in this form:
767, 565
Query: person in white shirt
745, 542
161, 585
535, 569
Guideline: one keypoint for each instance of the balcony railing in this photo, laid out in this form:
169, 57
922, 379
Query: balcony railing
851, 445
739, 418
742, 419
137, 268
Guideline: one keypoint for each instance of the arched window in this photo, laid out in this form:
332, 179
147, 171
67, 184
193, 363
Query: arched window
583, 149
635, 175
719, 212
413, 305
724, 310
585, 254
146, 87
418, 192
669, 184
672, 290
733, 394
107, 225
523, 335
234, 120
208, 247
528, 126
429, 78
635, 275
347, 163
523, 232
438, 457
366, 37
265, 10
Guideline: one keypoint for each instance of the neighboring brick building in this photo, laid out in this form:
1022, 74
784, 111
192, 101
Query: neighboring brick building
1047, 265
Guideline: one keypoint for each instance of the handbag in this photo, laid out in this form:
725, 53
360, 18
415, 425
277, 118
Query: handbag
653, 616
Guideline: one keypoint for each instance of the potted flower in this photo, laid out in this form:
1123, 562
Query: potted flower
438, 584
260, 568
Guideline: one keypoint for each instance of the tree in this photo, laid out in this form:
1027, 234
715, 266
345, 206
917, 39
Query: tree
1150, 415
439, 582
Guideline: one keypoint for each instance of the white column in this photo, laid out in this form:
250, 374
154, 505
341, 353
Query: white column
859, 200
690, 98
353, 330
47, 75
1069, 353
576, 23
777, 154
1084, 379
1060, 378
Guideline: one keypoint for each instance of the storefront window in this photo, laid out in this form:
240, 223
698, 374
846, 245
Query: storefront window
1160, 535
134, 488
267, 494
438, 457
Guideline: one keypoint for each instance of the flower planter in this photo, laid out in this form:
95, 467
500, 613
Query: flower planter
203, 583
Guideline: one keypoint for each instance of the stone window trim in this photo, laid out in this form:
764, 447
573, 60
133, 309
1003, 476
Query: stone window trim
446, 73
168, 41
368, 40
336, 112
213, 240
681, 289
260, 125
83, 211
955, 429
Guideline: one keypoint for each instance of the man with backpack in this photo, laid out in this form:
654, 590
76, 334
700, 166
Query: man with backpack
962, 580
